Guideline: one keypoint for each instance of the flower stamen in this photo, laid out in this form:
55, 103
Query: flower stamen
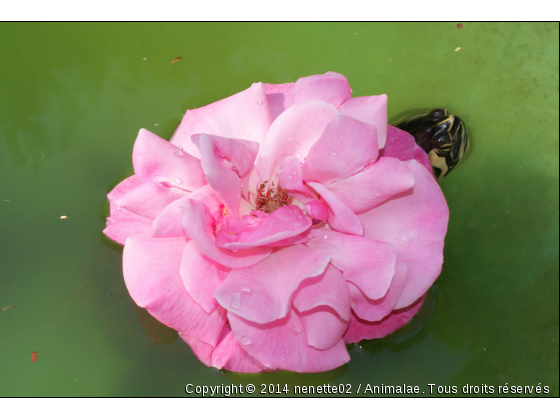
270, 197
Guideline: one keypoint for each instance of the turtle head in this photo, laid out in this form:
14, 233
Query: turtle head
442, 135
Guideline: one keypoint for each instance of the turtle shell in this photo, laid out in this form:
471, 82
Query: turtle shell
442, 135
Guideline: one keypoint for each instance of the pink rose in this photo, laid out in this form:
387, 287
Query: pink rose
280, 224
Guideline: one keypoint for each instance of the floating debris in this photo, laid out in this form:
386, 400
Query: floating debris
460, 25
175, 60
9, 307
390, 60
33, 356
7, 201
457, 49
64, 217
145, 58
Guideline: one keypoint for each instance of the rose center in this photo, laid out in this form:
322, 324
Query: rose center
270, 197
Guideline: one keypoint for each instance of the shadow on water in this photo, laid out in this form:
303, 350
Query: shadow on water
157, 332
410, 334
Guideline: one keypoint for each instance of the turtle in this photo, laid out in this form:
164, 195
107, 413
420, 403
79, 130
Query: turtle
443, 136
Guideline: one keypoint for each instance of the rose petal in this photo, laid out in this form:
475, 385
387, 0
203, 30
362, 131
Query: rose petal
401, 145
415, 222
291, 180
369, 109
345, 147
245, 115
151, 273
123, 224
280, 97
317, 210
263, 293
329, 87
230, 355
323, 327
200, 349
283, 345
226, 182
201, 277
374, 185
286, 222
292, 134
156, 160
297, 239
238, 154
375, 310
169, 223
328, 289
341, 218
149, 199
367, 263
122, 188
199, 225
359, 330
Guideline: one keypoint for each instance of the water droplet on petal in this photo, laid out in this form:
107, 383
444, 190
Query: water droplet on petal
177, 181
334, 153
296, 331
407, 237
178, 152
235, 301
259, 102
245, 340
323, 113
298, 155
290, 139
246, 290
326, 237
376, 193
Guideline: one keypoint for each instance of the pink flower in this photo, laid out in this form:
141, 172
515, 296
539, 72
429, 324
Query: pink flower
280, 224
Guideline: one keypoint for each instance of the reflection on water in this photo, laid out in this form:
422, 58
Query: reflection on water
410, 334
157, 332
288, 378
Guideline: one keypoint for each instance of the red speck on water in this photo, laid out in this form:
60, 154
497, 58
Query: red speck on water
460, 25
33, 356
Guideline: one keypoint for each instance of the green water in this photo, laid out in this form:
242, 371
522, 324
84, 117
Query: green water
73, 96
